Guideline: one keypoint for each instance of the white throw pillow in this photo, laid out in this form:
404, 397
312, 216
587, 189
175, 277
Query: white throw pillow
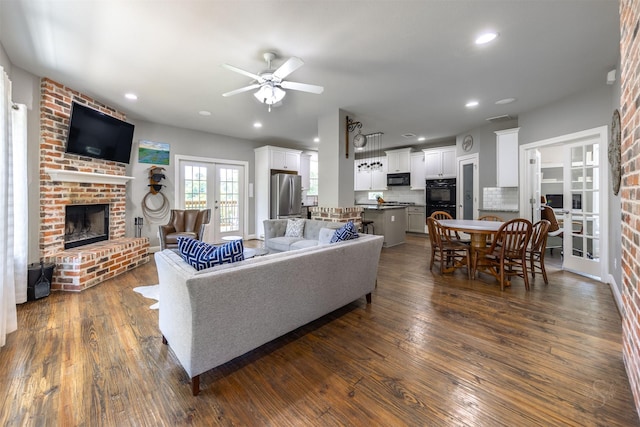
295, 228
325, 235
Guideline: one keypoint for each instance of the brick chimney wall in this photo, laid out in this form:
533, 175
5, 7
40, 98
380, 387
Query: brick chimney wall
630, 190
85, 266
55, 111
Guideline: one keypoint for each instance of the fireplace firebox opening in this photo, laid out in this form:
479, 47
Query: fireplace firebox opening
85, 224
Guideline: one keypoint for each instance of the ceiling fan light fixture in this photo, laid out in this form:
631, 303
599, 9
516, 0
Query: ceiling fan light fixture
269, 94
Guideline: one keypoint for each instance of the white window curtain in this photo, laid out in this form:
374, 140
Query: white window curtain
13, 208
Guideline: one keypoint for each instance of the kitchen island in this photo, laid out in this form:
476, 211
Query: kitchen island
389, 222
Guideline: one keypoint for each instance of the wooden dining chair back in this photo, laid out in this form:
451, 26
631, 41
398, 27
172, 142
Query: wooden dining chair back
490, 218
507, 255
495, 218
537, 248
448, 252
453, 235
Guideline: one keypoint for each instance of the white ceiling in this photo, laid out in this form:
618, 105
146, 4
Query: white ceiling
397, 66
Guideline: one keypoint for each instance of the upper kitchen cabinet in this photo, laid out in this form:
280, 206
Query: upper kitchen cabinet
507, 157
305, 170
440, 162
284, 159
367, 179
399, 161
417, 171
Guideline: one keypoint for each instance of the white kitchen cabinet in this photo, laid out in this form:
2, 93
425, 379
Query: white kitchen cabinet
284, 159
417, 171
440, 162
268, 158
369, 180
507, 157
399, 161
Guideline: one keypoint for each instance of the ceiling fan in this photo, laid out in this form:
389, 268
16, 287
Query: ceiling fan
270, 83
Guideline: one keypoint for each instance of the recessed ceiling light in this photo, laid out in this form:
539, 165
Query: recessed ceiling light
471, 104
408, 135
486, 38
257, 125
204, 113
131, 96
505, 101
316, 139
422, 138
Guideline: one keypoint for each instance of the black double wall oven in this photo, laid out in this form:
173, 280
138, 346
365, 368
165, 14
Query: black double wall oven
441, 196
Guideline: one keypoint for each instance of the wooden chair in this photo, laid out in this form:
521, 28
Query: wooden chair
490, 218
449, 253
507, 255
453, 235
537, 248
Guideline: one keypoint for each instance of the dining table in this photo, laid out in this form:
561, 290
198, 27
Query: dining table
478, 230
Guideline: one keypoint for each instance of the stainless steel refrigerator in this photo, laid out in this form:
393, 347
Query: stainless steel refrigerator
286, 196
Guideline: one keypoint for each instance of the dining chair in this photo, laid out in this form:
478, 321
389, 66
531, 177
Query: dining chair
453, 235
450, 253
490, 218
495, 218
507, 255
537, 248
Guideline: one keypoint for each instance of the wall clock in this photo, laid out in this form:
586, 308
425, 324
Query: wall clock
467, 143
359, 141
615, 152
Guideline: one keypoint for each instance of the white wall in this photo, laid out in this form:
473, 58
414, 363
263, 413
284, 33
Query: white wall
183, 142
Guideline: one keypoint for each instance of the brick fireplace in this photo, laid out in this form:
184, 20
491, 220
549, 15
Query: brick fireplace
69, 180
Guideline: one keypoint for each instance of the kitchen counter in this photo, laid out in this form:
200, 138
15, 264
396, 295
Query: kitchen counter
389, 222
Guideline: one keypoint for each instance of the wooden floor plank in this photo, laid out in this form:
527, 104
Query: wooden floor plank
431, 349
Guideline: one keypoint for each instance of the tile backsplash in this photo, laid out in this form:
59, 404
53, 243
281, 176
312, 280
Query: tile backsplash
505, 198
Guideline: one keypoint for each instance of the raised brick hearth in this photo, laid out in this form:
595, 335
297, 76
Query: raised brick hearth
84, 266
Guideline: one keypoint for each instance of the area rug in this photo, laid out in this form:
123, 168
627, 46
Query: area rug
151, 292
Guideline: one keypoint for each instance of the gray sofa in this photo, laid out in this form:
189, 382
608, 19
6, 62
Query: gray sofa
315, 233
212, 316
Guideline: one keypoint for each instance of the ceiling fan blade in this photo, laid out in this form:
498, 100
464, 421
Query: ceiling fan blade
303, 87
288, 67
241, 71
242, 89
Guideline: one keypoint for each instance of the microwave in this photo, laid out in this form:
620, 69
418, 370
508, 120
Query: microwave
398, 179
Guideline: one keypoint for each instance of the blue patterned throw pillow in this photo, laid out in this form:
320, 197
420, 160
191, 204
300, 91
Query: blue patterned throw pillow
201, 255
346, 232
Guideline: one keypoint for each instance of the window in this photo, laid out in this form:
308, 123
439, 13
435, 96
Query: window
313, 176
195, 187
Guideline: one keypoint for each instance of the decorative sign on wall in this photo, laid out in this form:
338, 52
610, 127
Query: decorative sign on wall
615, 153
153, 152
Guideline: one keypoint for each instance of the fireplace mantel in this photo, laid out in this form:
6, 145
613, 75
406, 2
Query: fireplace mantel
96, 178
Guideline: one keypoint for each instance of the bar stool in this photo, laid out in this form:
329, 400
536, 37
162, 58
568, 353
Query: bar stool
366, 224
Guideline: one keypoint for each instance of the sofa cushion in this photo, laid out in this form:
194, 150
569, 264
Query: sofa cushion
295, 228
305, 243
282, 243
346, 232
201, 255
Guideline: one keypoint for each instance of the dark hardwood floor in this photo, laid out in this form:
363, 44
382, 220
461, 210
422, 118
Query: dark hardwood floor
430, 350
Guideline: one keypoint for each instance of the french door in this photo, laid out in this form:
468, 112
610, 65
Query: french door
219, 187
581, 186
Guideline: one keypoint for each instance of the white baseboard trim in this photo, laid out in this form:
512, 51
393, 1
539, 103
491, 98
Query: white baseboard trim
617, 296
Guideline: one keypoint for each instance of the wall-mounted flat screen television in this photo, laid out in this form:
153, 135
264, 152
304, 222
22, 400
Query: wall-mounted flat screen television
98, 135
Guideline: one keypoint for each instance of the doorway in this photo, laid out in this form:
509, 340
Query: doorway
566, 173
218, 185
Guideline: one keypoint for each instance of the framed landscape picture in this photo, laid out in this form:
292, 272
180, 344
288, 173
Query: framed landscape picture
153, 152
